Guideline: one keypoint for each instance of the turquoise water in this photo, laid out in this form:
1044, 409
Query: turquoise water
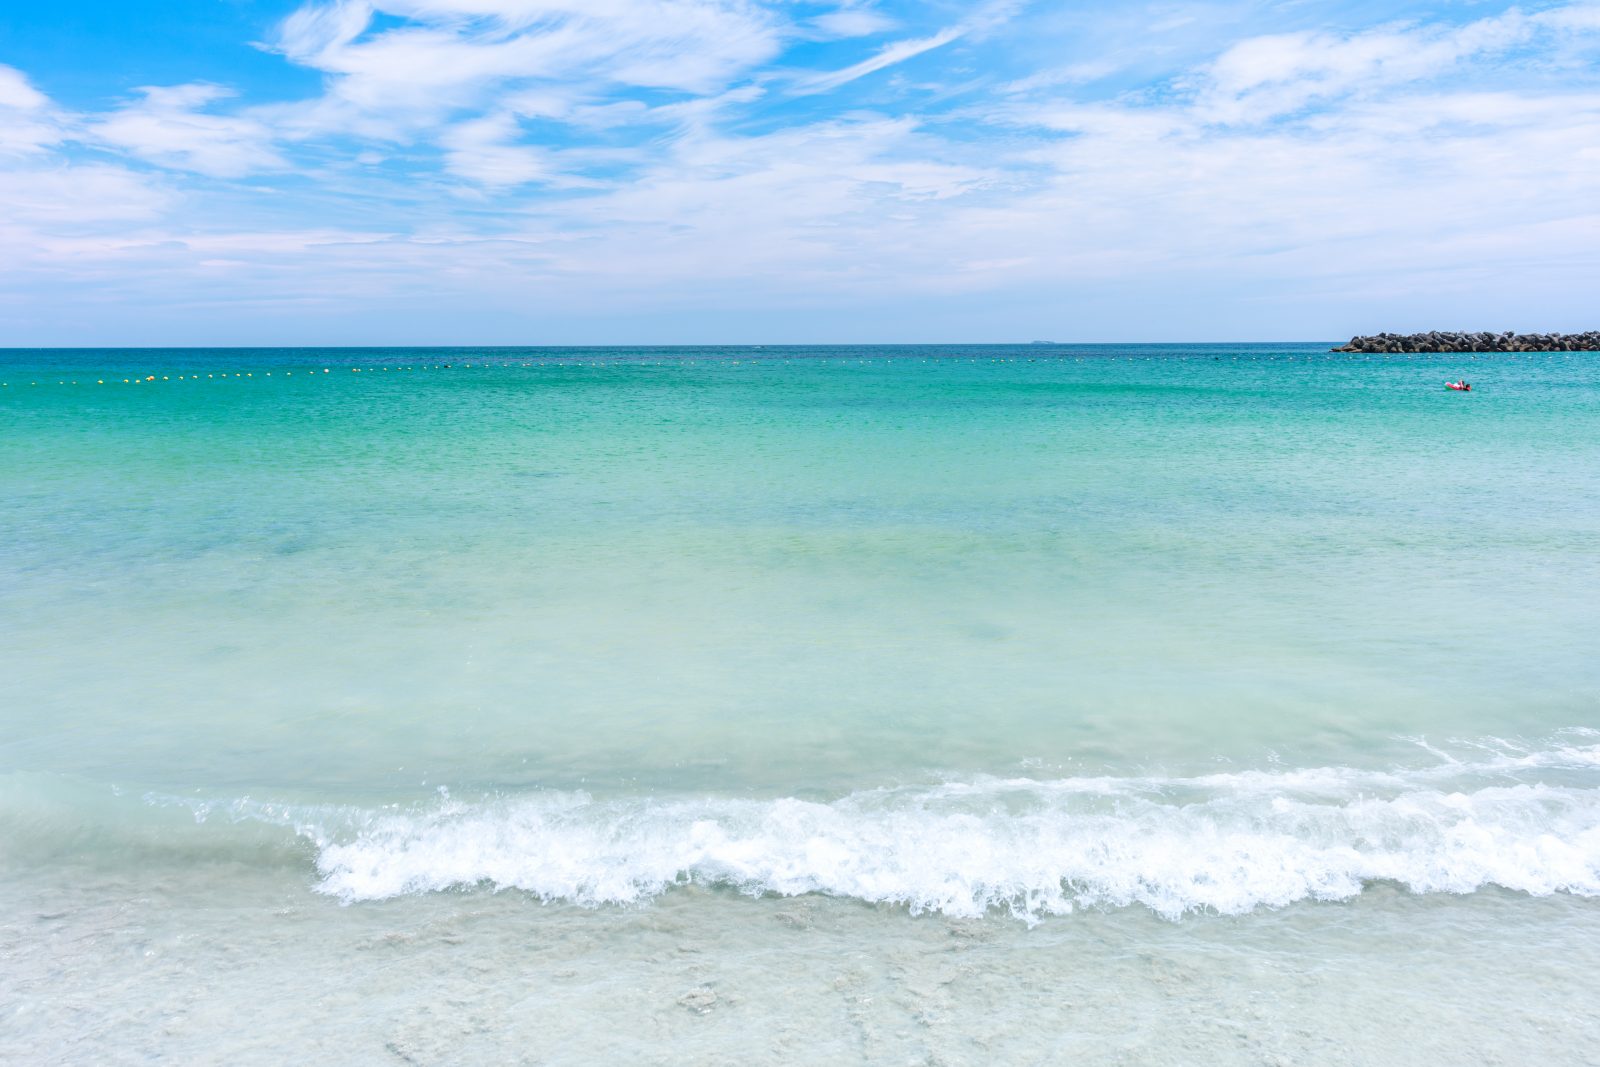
1108, 663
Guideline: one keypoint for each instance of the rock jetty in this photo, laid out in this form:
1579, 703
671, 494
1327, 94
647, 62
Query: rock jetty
1445, 341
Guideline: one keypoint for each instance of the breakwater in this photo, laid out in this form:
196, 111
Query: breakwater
1444, 341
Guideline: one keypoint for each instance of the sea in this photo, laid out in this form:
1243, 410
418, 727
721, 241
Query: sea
912, 705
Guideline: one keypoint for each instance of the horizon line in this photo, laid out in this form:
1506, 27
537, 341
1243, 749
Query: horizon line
647, 344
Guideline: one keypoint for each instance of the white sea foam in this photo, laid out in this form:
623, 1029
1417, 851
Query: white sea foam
1224, 843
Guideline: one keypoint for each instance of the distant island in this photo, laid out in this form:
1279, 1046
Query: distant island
1444, 341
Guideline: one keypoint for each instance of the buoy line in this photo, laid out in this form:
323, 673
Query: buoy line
681, 362
141, 379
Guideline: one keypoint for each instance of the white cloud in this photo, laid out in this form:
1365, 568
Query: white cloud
1071, 74
16, 94
460, 73
167, 126
314, 34
1576, 18
986, 18
485, 151
852, 21
1246, 179
887, 56
455, 54
28, 123
1264, 77
78, 195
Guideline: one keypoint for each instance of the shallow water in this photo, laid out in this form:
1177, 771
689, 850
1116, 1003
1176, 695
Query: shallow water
935, 704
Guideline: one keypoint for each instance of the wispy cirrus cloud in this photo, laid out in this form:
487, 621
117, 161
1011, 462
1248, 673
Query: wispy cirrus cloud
1280, 74
451, 53
887, 56
170, 126
462, 74
985, 18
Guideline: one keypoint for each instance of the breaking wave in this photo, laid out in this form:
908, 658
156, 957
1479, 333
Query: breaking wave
1224, 843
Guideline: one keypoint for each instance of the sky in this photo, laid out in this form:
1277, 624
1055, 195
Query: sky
257, 172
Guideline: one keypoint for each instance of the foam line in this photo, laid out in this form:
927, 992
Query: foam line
1223, 843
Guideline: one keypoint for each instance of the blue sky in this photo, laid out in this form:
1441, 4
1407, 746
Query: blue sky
682, 171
